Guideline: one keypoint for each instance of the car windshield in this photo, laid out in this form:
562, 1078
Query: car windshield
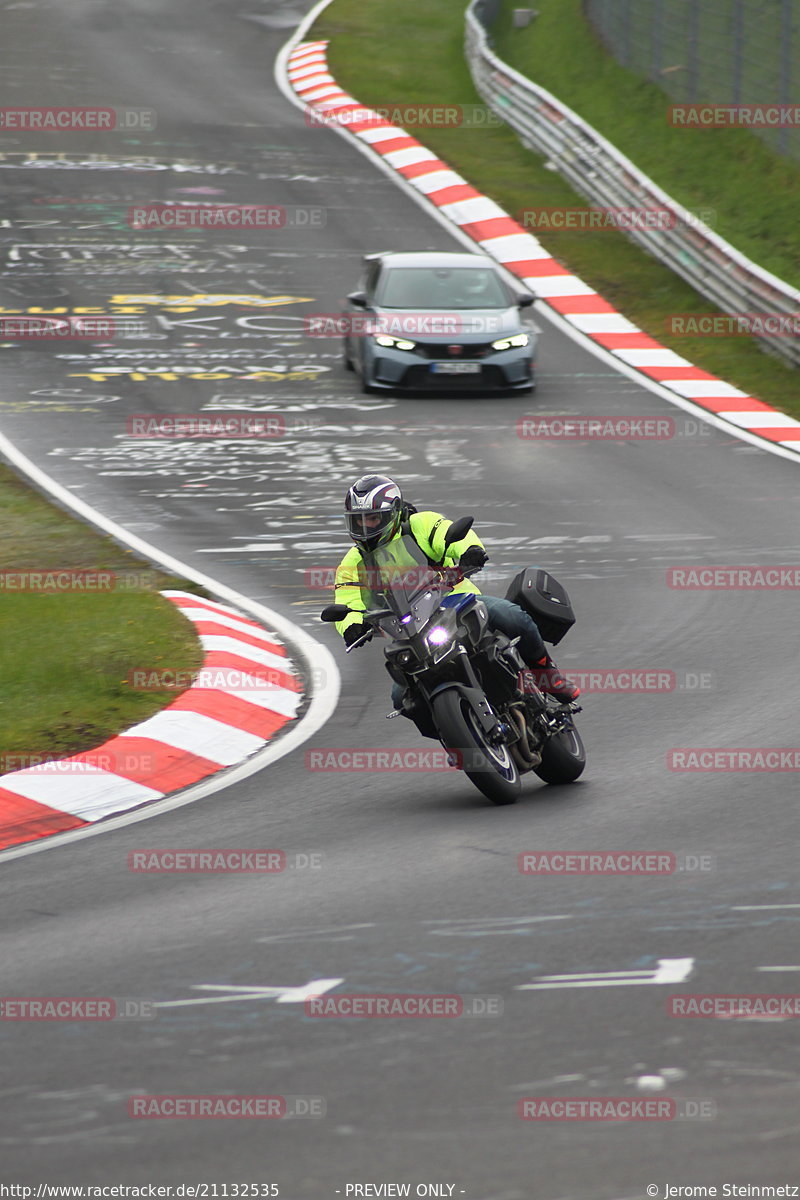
441, 287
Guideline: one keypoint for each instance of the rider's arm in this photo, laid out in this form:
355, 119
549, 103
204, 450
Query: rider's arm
429, 529
348, 588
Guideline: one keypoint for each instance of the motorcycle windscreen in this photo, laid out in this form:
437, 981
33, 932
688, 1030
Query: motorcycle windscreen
400, 577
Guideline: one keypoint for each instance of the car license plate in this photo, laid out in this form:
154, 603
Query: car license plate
456, 368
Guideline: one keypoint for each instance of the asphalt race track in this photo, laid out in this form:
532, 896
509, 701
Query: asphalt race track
416, 887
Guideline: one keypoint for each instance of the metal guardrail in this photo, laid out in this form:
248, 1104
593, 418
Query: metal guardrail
609, 180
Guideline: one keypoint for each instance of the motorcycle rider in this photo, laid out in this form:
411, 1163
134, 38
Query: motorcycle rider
375, 515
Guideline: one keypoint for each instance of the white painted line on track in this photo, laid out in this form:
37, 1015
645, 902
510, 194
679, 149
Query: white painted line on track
341, 933
489, 926
760, 907
281, 995
317, 987
669, 970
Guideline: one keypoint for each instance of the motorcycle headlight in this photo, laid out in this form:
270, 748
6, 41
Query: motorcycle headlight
383, 339
438, 636
519, 339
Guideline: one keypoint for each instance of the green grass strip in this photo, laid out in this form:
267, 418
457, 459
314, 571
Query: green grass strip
383, 53
66, 656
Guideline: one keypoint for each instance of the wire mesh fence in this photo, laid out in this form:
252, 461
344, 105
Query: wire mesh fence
610, 181
727, 52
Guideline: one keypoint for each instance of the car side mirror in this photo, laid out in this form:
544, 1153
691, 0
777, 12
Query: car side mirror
359, 299
334, 612
458, 530
525, 300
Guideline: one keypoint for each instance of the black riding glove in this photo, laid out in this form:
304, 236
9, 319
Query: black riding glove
473, 558
354, 632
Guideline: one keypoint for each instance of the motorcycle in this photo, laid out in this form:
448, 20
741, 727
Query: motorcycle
465, 683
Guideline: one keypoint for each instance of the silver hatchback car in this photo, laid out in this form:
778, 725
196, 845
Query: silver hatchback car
431, 322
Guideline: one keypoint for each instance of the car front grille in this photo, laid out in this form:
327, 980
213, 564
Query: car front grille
422, 379
440, 351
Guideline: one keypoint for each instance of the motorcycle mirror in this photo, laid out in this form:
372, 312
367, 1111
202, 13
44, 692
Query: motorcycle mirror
334, 612
458, 530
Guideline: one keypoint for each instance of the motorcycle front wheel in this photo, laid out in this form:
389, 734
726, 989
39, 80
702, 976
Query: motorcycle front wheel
490, 768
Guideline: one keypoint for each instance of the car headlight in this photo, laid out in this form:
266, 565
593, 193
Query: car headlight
519, 339
383, 339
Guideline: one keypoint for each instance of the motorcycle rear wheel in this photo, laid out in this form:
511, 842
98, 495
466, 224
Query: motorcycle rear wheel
563, 757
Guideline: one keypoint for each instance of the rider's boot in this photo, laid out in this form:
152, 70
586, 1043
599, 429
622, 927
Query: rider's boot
550, 680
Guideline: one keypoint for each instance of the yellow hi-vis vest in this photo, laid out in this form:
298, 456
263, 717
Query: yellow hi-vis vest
428, 529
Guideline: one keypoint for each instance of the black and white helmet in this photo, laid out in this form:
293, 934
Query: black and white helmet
373, 511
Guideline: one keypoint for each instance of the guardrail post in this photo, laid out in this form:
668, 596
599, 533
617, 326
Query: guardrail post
738, 50
693, 49
784, 94
657, 41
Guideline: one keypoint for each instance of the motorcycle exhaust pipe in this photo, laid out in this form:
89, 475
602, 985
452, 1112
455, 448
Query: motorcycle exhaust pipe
527, 758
